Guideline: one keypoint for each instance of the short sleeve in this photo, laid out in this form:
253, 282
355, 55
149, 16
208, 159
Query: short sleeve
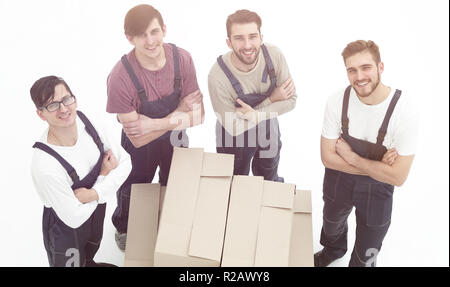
122, 96
188, 74
407, 130
332, 123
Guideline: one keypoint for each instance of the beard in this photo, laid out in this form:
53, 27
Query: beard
244, 60
373, 86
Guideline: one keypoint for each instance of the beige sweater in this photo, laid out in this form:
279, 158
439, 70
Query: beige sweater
223, 96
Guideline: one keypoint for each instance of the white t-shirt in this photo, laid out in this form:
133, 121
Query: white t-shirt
365, 121
53, 183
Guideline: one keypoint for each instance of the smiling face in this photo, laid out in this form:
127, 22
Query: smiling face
149, 45
363, 73
65, 116
245, 41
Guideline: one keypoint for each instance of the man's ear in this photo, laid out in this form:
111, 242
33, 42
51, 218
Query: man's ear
381, 67
130, 39
229, 43
164, 30
39, 113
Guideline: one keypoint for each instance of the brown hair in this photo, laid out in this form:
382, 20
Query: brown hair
360, 46
242, 17
138, 19
43, 90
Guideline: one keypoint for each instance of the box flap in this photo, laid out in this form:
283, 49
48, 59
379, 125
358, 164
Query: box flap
302, 249
242, 223
142, 224
217, 164
180, 199
277, 194
210, 218
182, 186
302, 201
274, 237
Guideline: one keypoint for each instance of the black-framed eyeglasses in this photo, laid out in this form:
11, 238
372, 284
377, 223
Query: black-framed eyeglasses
54, 106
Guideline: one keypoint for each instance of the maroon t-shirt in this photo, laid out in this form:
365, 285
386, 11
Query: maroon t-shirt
122, 94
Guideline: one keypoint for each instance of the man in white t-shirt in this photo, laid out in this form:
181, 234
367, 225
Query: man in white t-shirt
75, 168
368, 143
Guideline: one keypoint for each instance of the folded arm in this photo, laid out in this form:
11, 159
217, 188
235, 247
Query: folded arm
394, 174
331, 159
142, 130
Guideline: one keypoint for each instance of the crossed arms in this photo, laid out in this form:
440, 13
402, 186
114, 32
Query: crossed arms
338, 155
142, 130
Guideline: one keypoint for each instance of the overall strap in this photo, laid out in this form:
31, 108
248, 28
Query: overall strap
176, 67
134, 79
234, 82
91, 131
383, 129
270, 69
70, 170
344, 116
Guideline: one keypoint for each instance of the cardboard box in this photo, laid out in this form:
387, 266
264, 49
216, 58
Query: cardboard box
260, 223
269, 224
192, 224
142, 225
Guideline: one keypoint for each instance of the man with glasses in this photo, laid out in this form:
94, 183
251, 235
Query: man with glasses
75, 167
154, 91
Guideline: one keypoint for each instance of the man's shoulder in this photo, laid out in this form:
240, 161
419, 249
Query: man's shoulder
272, 48
119, 71
336, 97
42, 163
183, 54
216, 73
407, 104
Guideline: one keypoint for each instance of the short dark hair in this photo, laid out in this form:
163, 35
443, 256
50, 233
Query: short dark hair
360, 46
139, 17
43, 90
242, 17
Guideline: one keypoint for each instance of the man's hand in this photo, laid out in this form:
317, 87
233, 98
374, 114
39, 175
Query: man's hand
246, 112
344, 150
85, 195
141, 126
188, 103
283, 92
109, 163
390, 156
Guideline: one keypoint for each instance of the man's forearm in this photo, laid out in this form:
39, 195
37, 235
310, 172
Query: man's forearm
140, 141
378, 170
174, 121
334, 161
276, 108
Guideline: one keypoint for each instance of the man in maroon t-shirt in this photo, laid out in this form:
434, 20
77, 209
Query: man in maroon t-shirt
155, 94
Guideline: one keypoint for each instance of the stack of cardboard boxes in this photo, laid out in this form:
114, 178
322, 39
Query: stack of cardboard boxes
212, 218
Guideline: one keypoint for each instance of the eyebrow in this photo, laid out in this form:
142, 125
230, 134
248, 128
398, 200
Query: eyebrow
242, 35
362, 66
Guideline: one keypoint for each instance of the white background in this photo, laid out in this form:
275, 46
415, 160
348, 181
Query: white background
82, 40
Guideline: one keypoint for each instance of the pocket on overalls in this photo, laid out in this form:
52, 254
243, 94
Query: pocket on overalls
63, 245
379, 205
330, 182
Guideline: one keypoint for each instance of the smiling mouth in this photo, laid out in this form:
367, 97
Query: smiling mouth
362, 84
248, 53
64, 116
